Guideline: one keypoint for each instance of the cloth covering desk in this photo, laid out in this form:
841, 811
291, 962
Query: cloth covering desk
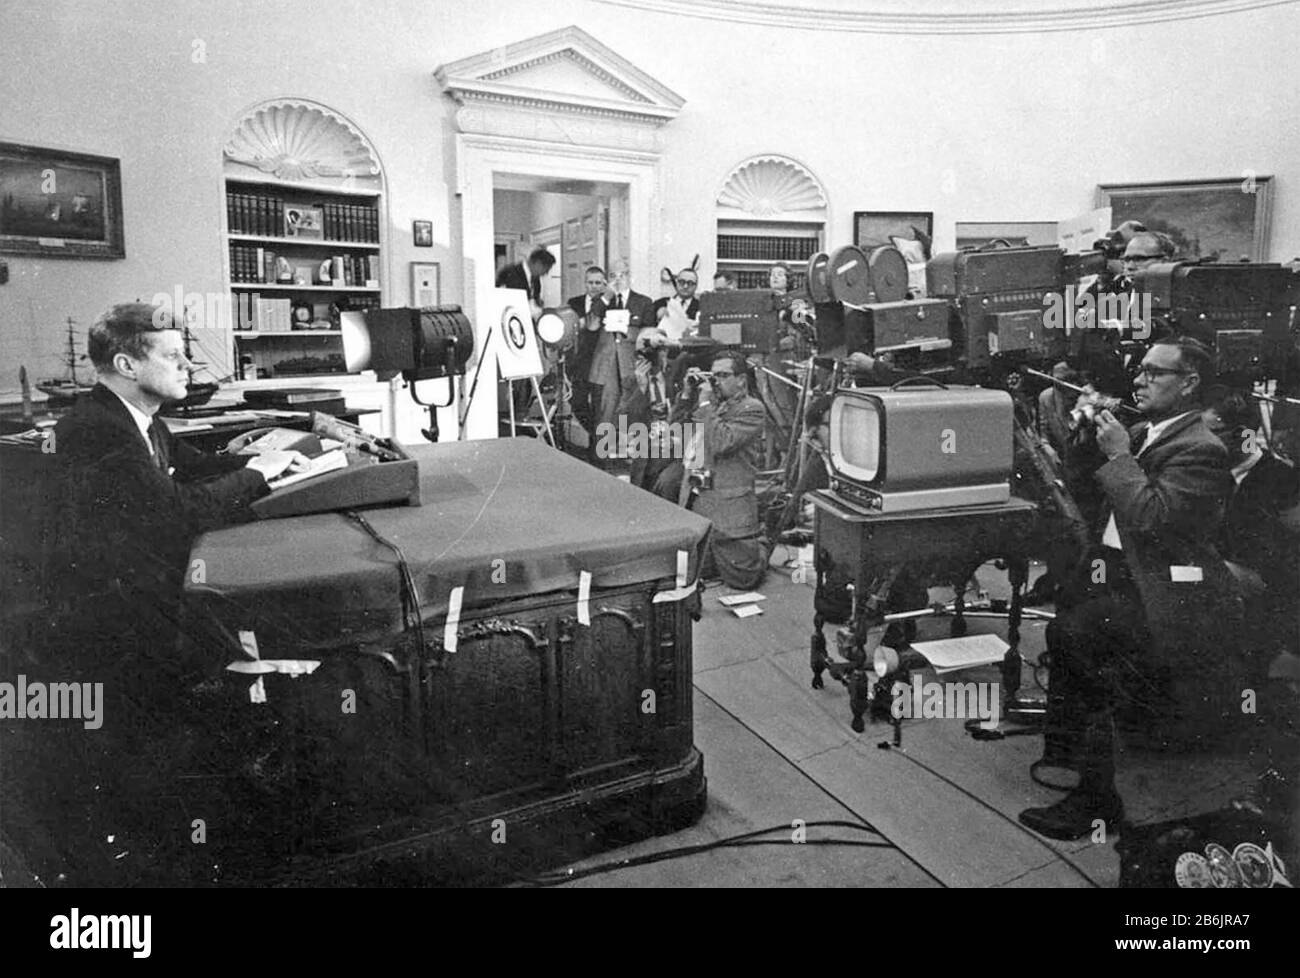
396, 750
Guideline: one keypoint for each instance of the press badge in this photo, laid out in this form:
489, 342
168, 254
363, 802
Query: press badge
1185, 575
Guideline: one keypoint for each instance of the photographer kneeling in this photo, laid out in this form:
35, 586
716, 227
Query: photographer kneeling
719, 468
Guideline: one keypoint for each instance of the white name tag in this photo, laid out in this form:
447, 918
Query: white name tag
1185, 575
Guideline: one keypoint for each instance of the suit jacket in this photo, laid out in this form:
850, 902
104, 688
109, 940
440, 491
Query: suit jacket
1169, 506
516, 277
612, 359
127, 524
1254, 533
586, 340
1053, 420
732, 436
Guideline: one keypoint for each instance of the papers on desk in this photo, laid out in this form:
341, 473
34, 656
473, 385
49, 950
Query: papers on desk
175, 425
328, 462
951, 654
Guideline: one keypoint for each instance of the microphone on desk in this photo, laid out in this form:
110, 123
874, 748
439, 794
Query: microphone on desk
352, 437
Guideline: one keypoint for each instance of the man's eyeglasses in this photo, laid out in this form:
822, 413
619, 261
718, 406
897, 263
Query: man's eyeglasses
1151, 373
687, 281
723, 374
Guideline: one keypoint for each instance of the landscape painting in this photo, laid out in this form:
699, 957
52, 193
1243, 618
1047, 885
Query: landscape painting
1217, 220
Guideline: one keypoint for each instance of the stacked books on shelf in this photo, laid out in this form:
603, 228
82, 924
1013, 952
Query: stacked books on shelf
755, 247
349, 271
271, 216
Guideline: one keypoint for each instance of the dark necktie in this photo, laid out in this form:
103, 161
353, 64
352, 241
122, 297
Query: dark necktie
1139, 438
159, 452
618, 301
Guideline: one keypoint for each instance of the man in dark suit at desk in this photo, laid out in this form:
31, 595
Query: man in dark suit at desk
134, 498
612, 359
1153, 606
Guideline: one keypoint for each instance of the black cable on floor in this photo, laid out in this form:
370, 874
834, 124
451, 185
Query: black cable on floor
732, 842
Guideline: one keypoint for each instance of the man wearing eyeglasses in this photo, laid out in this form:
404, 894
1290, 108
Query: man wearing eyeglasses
1154, 602
679, 315
725, 462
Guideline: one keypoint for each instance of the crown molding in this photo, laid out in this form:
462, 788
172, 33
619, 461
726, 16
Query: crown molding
992, 17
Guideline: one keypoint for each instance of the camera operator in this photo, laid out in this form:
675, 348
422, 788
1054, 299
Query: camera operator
647, 402
720, 467
1261, 548
1155, 600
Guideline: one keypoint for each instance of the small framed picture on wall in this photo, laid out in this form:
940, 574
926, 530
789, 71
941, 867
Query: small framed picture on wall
423, 231
426, 284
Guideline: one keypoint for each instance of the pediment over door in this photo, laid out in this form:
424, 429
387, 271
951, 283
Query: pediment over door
563, 87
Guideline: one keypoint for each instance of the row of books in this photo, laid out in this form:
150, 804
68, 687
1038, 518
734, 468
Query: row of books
254, 214
755, 247
252, 312
351, 222
256, 264
270, 216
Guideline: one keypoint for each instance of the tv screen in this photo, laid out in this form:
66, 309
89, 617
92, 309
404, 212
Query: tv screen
855, 438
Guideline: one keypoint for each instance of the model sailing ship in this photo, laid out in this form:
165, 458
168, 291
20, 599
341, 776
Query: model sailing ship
62, 391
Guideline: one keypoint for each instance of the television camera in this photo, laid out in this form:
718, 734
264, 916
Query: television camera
894, 509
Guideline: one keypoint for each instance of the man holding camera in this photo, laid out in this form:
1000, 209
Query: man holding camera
721, 466
1150, 609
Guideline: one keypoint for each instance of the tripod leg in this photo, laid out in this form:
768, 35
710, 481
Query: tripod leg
817, 653
546, 420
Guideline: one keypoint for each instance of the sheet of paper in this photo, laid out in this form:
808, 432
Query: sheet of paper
319, 466
947, 654
747, 598
616, 321
747, 611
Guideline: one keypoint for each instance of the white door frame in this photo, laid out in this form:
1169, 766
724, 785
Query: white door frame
479, 159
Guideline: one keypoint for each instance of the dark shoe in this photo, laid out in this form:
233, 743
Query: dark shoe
1072, 817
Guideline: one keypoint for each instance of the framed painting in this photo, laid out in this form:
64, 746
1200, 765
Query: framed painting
59, 204
872, 228
1224, 220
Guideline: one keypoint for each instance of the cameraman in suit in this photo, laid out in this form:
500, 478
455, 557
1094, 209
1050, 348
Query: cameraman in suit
1154, 604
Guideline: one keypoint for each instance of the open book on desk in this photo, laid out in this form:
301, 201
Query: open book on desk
328, 462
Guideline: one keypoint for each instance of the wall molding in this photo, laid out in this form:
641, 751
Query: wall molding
989, 17
295, 140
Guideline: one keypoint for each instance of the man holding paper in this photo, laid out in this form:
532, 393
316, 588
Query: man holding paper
621, 316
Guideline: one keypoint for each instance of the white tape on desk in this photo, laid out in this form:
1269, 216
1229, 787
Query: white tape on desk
257, 691
248, 642
584, 597
453, 619
683, 565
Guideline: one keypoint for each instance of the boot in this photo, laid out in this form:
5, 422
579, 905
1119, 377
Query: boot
1063, 726
1095, 798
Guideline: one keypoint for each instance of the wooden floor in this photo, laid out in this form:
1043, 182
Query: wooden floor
777, 751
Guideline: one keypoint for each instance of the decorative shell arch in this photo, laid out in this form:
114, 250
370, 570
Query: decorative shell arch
767, 187
298, 140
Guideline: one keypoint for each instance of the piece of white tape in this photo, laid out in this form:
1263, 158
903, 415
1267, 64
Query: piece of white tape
257, 691
584, 597
453, 619
683, 564
248, 642
286, 667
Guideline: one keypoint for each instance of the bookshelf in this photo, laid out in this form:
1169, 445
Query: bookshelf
751, 248
303, 238
296, 256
